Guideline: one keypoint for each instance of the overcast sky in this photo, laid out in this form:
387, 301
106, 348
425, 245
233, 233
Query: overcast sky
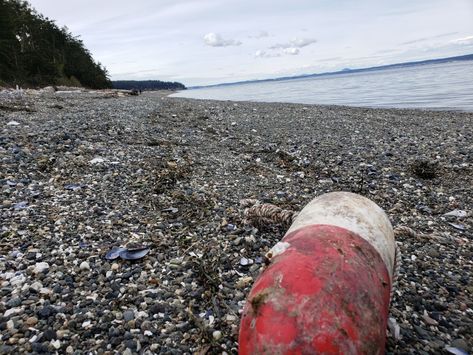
201, 42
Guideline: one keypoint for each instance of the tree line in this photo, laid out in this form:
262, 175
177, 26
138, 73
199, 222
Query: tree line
147, 85
34, 51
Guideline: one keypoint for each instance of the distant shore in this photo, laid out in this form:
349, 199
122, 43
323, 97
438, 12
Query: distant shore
81, 173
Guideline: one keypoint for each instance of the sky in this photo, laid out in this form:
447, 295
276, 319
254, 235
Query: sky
202, 42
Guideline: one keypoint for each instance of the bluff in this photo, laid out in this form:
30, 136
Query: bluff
34, 51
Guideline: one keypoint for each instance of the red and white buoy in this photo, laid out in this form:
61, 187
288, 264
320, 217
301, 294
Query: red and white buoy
327, 287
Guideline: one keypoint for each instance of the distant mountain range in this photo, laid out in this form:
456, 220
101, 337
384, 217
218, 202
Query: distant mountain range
348, 70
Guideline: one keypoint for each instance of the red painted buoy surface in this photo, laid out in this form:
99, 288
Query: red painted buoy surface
326, 290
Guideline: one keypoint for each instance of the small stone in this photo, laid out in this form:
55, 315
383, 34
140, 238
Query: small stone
154, 347
84, 265
12, 311
428, 320
217, 335
237, 241
18, 280
39, 348
142, 314
49, 334
14, 302
40, 267
118, 315
97, 160
10, 325
128, 315
69, 350
56, 344
45, 291
421, 331
61, 334
46, 312
127, 352
246, 262
36, 286
114, 267
231, 318
31, 321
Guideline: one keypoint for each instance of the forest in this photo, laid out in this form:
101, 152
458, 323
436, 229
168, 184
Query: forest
35, 52
147, 85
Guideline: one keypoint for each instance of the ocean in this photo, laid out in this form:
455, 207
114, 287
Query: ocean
441, 86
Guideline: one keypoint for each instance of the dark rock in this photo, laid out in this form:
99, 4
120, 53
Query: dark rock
46, 312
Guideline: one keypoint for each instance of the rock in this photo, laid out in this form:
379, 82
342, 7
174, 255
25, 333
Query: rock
49, 334
45, 291
46, 312
40, 267
39, 348
154, 347
97, 160
31, 321
18, 280
56, 344
12, 311
428, 320
246, 262
14, 302
84, 266
217, 335
69, 350
421, 332
128, 315
231, 318
36, 286
10, 325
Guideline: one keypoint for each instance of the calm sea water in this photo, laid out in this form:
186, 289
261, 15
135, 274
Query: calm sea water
445, 86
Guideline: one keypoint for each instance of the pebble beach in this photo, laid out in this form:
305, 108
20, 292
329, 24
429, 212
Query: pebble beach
84, 172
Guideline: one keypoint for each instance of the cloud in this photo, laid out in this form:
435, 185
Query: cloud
464, 40
260, 34
215, 40
263, 54
429, 38
295, 43
273, 53
291, 51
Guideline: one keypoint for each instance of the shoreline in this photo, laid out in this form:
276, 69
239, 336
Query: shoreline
83, 173
423, 109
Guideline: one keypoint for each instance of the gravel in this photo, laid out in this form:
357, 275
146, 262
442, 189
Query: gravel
84, 172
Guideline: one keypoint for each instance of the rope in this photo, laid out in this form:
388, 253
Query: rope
266, 213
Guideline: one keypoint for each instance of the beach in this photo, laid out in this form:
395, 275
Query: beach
82, 172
